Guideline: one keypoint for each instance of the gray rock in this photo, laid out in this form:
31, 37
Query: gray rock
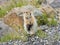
3, 28
37, 12
42, 43
55, 43
58, 42
5, 43
10, 43
1, 44
55, 4
44, 27
37, 43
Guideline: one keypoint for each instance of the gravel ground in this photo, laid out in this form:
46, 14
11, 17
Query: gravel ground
34, 40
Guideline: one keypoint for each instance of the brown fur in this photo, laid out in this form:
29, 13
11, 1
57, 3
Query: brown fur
13, 20
27, 20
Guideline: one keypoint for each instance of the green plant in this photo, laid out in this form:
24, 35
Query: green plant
41, 34
40, 1
42, 20
2, 12
52, 22
13, 3
14, 36
5, 38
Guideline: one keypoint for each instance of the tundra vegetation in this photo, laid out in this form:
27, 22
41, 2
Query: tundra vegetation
41, 20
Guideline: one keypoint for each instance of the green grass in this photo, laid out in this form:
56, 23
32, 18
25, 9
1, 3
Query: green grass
6, 38
52, 22
9, 37
41, 34
2, 12
43, 20
13, 4
14, 36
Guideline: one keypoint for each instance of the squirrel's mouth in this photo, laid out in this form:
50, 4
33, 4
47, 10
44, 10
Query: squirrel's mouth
29, 26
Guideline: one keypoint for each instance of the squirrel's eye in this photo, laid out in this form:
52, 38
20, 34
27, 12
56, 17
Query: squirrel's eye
26, 12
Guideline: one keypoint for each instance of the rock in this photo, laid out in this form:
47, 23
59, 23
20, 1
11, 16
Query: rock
42, 43
58, 42
36, 43
49, 1
10, 43
46, 31
28, 7
3, 28
16, 43
44, 27
5, 43
55, 4
55, 43
37, 12
1, 44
